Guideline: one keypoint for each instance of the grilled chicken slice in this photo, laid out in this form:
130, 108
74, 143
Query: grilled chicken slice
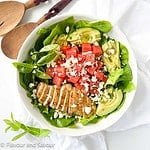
66, 99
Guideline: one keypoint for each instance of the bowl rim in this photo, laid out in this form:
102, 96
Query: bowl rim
84, 130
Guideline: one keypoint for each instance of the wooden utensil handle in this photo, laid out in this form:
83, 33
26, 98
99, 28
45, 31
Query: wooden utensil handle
54, 10
32, 3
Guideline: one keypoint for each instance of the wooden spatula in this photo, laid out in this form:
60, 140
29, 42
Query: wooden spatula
13, 40
12, 12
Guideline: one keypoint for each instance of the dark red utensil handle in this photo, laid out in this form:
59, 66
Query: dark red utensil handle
57, 8
37, 2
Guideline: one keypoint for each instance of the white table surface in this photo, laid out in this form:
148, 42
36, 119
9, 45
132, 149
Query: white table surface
134, 139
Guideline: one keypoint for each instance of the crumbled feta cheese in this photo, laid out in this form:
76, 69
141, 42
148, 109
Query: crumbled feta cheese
73, 105
73, 73
31, 85
94, 79
87, 110
34, 91
83, 71
35, 67
86, 85
105, 68
74, 60
88, 63
96, 43
67, 29
53, 64
60, 114
34, 71
55, 114
65, 81
88, 52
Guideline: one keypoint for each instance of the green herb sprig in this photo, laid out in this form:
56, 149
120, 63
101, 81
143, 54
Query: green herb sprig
15, 125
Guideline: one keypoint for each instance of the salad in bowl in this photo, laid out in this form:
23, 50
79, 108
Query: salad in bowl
75, 73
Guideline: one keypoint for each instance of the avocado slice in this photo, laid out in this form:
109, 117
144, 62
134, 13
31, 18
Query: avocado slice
84, 35
62, 40
111, 55
109, 101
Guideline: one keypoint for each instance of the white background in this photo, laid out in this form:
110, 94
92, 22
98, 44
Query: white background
134, 139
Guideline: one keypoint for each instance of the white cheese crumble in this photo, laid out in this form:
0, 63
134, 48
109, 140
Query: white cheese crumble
67, 29
86, 86
31, 85
34, 71
83, 71
73, 105
88, 52
60, 114
73, 73
55, 114
74, 60
94, 79
87, 110
34, 93
88, 63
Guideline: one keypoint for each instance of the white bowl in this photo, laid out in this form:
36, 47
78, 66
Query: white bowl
102, 124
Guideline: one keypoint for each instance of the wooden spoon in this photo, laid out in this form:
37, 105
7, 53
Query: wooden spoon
12, 12
13, 40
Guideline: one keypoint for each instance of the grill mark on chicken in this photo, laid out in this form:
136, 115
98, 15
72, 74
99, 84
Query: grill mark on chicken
66, 98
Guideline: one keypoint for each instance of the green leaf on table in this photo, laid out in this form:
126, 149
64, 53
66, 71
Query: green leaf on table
18, 136
15, 125
7, 129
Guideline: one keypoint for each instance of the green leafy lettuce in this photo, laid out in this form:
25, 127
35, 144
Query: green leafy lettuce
102, 26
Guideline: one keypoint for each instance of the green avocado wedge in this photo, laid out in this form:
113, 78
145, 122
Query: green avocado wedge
111, 55
110, 102
84, 35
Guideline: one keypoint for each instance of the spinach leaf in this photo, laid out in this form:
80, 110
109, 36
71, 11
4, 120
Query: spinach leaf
130, 86
92, 119
39, 42
64, 122
125, 79
58, 28
25, 79
124, 54
48, 58
102, 26
42, 31
51, 47
55, 31
41, 75
24, 67
127, 74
